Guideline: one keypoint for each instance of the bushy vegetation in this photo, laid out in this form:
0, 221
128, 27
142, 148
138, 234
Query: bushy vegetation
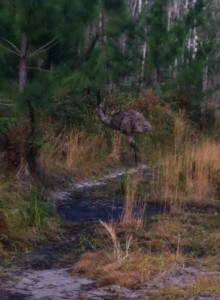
25, 219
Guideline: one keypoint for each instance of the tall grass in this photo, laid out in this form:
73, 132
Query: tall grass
24, 219
190, 175
187, 171
133, 207
119, 254
36, 211
74, 151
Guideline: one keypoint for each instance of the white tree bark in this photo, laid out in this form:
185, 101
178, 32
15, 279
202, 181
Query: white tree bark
169, 15
186, 5
123, 42
102, 37
144, 52
139, 6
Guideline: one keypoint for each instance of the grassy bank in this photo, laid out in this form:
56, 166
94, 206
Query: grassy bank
25, 219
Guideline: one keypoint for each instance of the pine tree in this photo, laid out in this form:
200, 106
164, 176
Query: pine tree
32, 32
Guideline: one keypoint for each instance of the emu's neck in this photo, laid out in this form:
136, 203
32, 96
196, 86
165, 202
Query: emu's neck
102, 115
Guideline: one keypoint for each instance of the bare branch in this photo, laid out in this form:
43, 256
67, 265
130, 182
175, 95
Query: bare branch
8, 49
13, 45
44, 50
45, 47
38, 69
6, 104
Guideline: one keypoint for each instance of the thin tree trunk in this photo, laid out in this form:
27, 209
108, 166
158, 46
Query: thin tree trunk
169, 17
205, 79
22, 81
23, 62
175, 69
194, 43
144, 46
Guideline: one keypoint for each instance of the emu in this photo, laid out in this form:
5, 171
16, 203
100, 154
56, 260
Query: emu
129, 122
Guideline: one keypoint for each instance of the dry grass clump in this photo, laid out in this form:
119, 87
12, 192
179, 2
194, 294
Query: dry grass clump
103, 267
92, 263
119, 254
137, 268
74, 151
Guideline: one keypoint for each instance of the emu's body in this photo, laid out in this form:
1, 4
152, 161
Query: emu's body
129, 122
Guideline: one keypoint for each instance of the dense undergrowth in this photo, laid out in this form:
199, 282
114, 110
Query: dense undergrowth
185, 179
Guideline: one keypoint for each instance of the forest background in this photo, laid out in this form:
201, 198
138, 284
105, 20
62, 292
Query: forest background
159, 57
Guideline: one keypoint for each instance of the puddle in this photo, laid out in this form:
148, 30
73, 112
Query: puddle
105, 209
75, 205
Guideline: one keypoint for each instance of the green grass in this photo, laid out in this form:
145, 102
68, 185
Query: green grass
36, 210
24, 219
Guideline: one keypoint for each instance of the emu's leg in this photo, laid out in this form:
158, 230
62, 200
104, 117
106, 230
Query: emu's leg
116, 151
135, 148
